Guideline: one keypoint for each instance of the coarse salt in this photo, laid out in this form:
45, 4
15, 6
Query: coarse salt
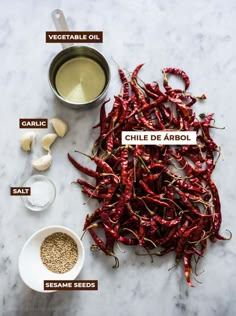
41, 194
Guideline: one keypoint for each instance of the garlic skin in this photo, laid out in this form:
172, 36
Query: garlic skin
27, 140
59, 126
42, 163
48, 140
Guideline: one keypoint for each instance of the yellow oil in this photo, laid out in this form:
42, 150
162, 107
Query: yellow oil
80, 80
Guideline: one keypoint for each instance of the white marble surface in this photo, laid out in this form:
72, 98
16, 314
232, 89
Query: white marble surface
198, 36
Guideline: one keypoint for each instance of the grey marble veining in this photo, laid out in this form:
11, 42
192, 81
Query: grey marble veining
198, 36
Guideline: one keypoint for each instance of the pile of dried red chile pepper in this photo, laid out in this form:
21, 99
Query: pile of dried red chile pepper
161, 198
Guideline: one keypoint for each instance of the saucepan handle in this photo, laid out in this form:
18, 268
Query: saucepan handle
60, 24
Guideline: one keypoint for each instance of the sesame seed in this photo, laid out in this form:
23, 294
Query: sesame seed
59, 252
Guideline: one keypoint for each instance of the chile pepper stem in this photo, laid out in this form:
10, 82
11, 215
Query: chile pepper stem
86, 155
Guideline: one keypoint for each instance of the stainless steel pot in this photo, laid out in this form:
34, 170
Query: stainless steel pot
73, 51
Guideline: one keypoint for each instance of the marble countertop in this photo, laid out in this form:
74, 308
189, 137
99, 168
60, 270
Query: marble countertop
198, 36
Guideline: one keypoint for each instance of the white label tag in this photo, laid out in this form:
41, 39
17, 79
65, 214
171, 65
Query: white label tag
158, 138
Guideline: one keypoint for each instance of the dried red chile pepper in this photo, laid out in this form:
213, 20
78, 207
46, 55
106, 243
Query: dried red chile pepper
159, 197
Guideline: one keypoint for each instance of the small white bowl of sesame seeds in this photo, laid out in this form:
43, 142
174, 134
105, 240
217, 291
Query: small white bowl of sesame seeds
53, 253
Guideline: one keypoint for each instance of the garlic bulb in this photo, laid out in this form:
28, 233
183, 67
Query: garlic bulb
59, 126
42, 163
27, 140
48, 140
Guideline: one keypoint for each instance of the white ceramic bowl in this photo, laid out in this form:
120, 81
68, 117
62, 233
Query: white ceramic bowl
31, 268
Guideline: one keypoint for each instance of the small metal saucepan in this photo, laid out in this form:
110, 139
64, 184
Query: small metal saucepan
79, 76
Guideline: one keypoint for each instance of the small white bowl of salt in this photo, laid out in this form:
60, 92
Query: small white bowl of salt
42, 193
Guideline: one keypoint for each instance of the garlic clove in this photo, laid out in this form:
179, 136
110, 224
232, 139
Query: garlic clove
59, 126
48, 140
42, 163
27, 140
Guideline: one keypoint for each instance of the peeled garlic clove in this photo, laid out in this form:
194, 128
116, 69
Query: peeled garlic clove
27, 140
48, 140
59, 126
42, 163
